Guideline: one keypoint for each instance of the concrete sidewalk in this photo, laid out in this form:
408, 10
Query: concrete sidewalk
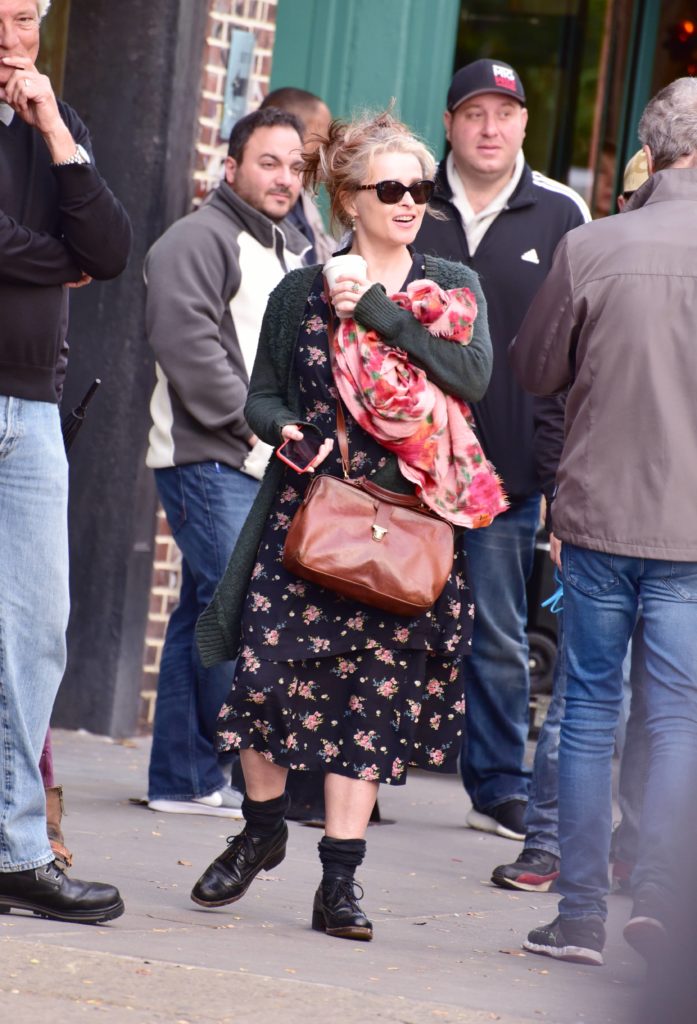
446, 946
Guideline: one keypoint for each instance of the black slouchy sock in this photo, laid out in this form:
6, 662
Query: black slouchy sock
340, 857
265, 817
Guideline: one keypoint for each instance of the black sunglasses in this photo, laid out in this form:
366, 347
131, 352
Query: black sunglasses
391, 192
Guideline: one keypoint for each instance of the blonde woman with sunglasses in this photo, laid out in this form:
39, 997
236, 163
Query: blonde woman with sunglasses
323, 683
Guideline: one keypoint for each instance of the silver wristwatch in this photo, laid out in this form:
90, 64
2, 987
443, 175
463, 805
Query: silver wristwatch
80, 156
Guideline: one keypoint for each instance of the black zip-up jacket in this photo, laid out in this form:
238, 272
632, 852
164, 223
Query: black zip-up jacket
512, 261
56, 223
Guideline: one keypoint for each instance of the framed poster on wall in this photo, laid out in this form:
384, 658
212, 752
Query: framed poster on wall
239, 72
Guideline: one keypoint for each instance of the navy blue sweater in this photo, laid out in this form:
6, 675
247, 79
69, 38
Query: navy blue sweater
55, 224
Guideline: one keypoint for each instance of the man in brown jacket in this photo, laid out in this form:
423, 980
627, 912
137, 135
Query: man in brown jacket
615, 320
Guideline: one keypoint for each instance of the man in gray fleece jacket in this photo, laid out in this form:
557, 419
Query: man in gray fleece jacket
208, 279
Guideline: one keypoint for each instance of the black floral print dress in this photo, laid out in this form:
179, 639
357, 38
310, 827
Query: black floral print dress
323, 682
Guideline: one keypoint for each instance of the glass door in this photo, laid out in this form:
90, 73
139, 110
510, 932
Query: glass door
676, 54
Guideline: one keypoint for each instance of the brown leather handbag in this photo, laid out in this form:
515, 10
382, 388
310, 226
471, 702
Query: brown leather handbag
369, 544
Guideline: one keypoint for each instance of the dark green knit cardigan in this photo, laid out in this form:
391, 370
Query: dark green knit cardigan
274, 401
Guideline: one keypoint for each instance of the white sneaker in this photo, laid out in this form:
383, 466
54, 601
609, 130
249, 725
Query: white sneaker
224, 803
506, 820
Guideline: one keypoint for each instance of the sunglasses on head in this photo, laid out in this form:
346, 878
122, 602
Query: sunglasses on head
393, 191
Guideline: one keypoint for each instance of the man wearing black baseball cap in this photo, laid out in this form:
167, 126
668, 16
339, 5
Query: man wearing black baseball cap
503, 220
484, 76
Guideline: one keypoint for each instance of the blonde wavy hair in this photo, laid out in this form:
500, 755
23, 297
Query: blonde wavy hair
342, 160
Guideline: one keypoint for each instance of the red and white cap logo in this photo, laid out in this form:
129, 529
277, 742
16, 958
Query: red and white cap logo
504, 77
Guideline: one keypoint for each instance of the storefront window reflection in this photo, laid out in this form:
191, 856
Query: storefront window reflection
676, 54
572, 56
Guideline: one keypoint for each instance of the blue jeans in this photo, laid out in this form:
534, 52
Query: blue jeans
34, 605
634, 754
542, 812
497, 680
206, 504
601, 600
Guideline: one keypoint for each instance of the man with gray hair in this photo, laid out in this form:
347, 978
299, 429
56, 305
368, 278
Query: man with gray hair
615, 323
59, 226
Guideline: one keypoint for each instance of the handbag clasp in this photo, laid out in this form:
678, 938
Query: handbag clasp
381, 523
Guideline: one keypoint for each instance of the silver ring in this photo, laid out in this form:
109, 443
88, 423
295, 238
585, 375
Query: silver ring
356, 287
26, 82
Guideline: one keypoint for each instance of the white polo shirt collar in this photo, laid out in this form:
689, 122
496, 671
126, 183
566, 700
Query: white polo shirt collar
477, 224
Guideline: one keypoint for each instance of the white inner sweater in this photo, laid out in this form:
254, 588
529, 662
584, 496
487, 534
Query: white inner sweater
476, 225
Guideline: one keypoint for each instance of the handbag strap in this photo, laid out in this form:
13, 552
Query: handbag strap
342, 437
341, 434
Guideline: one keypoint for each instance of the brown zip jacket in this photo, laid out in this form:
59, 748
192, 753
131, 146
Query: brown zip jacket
616, 319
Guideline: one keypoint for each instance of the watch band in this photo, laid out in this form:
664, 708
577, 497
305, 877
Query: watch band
80, 156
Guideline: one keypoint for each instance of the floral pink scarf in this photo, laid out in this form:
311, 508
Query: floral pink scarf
429, 431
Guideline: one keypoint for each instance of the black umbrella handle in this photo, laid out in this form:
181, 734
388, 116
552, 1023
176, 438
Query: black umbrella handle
79, 411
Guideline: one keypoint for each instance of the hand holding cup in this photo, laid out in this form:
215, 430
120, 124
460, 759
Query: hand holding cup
346, 278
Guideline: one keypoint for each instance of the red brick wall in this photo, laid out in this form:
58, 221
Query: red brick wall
164, 594
258, 16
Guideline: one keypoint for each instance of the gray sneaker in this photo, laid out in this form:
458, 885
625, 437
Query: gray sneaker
580, 940
224, 803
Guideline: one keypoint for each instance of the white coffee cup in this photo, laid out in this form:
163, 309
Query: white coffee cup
348, 264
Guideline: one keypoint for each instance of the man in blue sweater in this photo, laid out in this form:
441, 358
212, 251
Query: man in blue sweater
59, 225
503, 220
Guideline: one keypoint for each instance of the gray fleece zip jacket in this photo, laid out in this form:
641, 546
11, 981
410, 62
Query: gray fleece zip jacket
208, 280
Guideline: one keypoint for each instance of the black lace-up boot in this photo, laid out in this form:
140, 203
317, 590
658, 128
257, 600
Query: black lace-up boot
260, 846
336, 910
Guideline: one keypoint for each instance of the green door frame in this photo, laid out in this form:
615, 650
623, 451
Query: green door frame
361, 53
637, 82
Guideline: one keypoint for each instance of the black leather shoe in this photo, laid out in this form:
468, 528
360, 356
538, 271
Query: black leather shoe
336, 910
231, 874
47, 892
